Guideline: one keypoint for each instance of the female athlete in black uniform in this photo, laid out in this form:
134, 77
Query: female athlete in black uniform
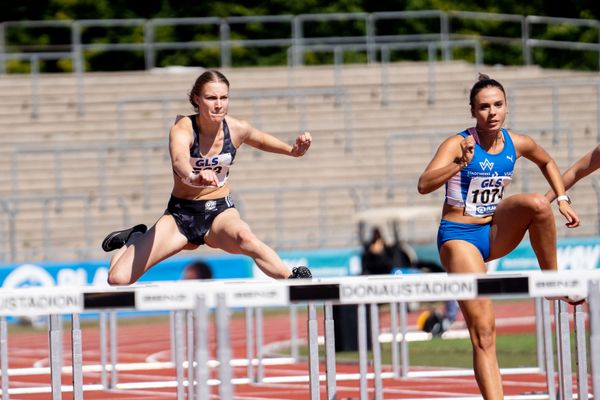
200, 211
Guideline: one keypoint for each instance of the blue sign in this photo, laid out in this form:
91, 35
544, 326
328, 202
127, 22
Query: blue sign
573, 254
322, 262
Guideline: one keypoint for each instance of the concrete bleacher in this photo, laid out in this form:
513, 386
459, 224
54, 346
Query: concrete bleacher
113, 151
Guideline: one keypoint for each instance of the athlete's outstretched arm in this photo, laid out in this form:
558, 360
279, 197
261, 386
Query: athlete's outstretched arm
529, 149
452, 155
579, 170
267, 142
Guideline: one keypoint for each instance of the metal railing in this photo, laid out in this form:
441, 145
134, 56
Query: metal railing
531, 43
371, 38
362, 196
367, 31
338, 50
294, 97
555, 86
11, 208
99, 153
329, 234
34, 61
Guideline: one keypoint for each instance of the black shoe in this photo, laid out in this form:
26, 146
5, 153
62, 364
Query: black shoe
300, 273
117, 239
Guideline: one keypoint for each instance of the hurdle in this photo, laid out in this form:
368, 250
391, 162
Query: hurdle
538, 285
198, 298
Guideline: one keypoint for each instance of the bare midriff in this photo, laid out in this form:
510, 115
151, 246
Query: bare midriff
457, 214
187, 192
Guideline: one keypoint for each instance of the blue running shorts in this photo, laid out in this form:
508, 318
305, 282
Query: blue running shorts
476, 234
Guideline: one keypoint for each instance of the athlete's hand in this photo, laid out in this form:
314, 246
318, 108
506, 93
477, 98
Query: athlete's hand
302, 144
467, 147
206, 177
567, 211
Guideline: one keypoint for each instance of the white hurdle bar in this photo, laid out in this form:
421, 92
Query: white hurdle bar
201, 296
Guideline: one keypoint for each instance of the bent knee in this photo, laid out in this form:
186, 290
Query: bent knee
538, 203
247, 240
118, 278
484, 339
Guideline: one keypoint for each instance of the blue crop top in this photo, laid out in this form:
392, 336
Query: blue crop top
479, 186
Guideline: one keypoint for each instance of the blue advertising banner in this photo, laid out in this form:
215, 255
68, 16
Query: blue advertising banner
322, 262
573, 254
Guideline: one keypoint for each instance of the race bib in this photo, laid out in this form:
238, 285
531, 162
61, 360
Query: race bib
484, 194
219, 164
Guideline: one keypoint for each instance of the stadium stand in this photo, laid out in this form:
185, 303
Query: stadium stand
80, 159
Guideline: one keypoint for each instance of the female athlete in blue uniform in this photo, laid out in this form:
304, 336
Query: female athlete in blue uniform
200, 211
478, 223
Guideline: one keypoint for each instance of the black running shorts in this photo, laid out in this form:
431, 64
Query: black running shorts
194, 217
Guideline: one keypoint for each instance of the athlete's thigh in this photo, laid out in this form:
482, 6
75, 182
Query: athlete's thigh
460, 256
510, 222
161, 241
224, 231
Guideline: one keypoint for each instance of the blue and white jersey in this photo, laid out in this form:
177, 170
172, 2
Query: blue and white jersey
219, 163
479, 186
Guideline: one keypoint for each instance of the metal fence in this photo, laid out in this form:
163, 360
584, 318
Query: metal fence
555, 87
369, 29
286, 235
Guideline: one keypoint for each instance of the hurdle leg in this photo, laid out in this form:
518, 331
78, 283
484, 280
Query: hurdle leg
202, 369
77, 354
190, 353
394, 344
330, 371
404, 342
362, 350
313, 352
539, 333
558, 353
258, 325
581, 352
224, 349
55, 354
594, 304
4, 356
112, 328
376, 351
564, 349
179, 353
548, 349
295, 352
172, 334
249, 313
103, 346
